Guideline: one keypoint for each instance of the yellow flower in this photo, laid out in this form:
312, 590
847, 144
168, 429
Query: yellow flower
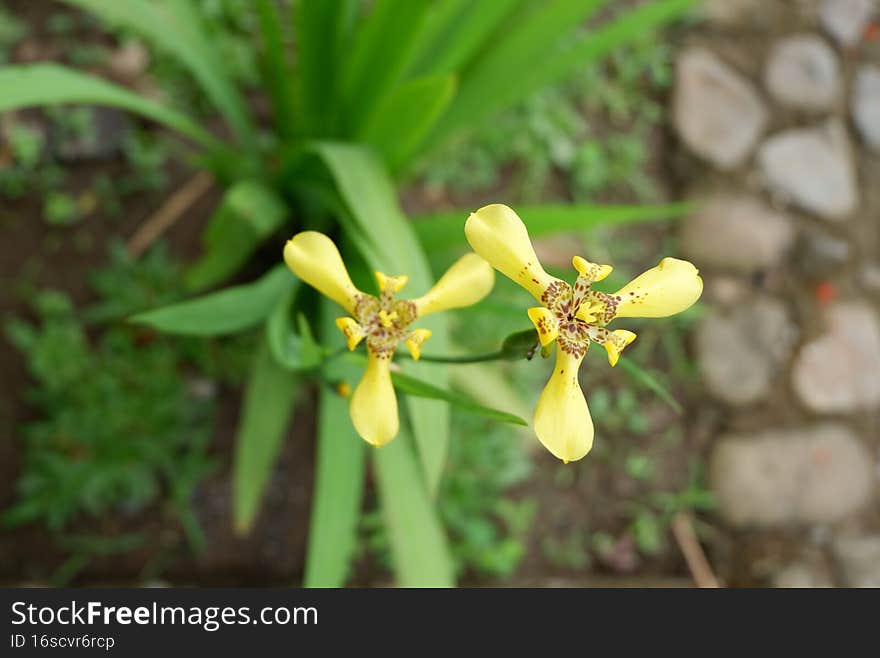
383, 321
574, 316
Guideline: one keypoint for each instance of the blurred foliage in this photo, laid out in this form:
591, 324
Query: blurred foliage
593, 130
125, 417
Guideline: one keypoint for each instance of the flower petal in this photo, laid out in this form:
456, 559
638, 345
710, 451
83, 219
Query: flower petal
373, 406
545, 323
562, 419
616, 341
497, 234
415, 340
314, 258
468, 280
669, 288
352, 331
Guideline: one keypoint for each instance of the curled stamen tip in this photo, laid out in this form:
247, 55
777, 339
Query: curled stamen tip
351, 330
592, 271
415, 340
391, 284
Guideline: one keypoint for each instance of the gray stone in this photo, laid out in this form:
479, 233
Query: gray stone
740, 233
812, 167
717, 112
845, 20
803, 72
870, 277
839, 371
866, 105
859, 560
741, 351
781, 477
819, 256
803, 574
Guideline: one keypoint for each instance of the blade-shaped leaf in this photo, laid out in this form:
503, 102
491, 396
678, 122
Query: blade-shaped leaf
276, 73
34, 85
379, 55
296, 351
173, 26
268, 403
418, 543
406, 117
417, 387
224, 312
445, 230
339, 478
456, 29
495, 79
249, 212
649, 381
378, 228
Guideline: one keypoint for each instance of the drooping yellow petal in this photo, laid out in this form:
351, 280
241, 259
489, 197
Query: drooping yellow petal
352, 331
591, 271
415, 340
468, 280
562, 419
391, 285
373, 406
616, 341
545, 323
314, 258
497, 234
669, 288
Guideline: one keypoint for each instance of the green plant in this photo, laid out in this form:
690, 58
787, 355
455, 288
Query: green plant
374, 86
119, 428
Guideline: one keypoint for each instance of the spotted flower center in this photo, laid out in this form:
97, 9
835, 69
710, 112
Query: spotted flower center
384, 321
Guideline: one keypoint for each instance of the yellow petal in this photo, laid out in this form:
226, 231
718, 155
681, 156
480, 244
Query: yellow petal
314, 258
373, 406
615, 343
352, 331
415, 340
591, 271
669, 288
562, 419
390, 285
468, 280
497, 234
545, 323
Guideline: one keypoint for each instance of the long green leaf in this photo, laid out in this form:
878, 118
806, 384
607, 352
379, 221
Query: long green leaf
321, 32
649, 381
418, 544
417, 387
406, 117
379, 55
249, 212
496, 78
339, 477
33, 85
456, 29
173, 26
268, 404
276, 73
224, 312
385, 238
445, 230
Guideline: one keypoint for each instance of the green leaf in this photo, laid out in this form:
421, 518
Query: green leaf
406, 117
413, 386
268, 403
224, 312
296, 351
379, 55
456, 29
249, 212
322, 27
339, 477
496, 79
646, 379
418, 545
174, 26
380, 231
33, 85
276, 73
445, 230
